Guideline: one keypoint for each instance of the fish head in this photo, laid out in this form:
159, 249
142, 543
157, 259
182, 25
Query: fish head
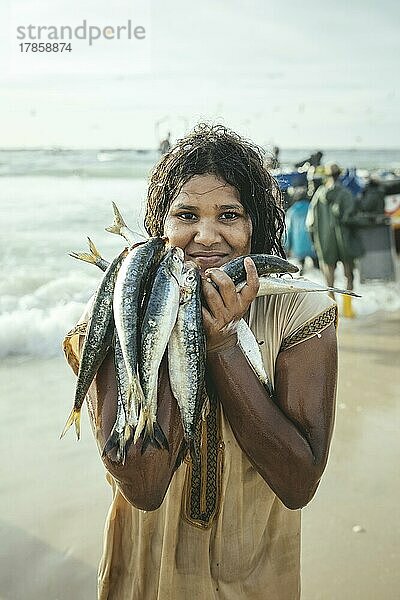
174, 262
190, 281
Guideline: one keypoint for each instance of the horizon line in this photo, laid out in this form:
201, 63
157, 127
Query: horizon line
154, 148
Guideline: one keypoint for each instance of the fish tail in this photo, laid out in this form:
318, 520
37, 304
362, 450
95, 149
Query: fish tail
93, 250
135, 392
148, 435
83, 256
128, 433
118, 222
121, 450
142, 424
160, 437
121, 440
124, 441
74, 417
111, 443
155, 436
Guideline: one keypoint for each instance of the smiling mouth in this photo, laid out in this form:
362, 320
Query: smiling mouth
206, 261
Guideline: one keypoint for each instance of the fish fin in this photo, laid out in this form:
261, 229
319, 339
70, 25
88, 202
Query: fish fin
85, 256
74, 417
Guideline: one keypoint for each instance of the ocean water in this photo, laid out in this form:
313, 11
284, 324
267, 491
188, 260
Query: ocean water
49, 202
42, 290
137, 163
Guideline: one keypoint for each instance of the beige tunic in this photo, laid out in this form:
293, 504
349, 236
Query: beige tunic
250, 548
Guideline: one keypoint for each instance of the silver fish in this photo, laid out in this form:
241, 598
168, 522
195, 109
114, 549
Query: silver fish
119, 227
264, 263
93, 256
283, 285
132, 278
118, 437
187, 355
158, 322
251, 349
97, 340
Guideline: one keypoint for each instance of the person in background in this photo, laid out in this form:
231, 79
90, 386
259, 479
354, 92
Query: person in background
276, 162
165, 144
332, 223
298, 241
312, 161
373, 197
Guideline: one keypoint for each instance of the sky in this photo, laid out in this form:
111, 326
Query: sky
296, 74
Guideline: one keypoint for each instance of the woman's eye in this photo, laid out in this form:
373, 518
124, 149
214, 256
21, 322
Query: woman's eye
186, 216
229, 216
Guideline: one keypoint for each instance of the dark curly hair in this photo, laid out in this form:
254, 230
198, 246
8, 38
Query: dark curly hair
216, 150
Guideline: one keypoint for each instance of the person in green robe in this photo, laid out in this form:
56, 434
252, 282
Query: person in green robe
332, 223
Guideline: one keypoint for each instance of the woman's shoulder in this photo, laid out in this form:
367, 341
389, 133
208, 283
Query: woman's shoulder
282, 316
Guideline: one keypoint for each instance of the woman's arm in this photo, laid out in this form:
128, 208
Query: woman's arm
144, 478
286, 439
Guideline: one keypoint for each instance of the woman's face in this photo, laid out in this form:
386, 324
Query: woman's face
208, 221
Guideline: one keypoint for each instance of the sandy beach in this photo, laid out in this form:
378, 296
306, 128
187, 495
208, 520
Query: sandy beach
54, 496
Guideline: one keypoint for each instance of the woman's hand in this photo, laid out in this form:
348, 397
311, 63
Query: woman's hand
225, 306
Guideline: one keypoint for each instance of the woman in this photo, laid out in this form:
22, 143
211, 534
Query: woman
229, 526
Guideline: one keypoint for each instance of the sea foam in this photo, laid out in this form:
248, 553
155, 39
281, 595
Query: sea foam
35, 323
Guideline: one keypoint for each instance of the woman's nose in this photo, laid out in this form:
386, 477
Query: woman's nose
206, 234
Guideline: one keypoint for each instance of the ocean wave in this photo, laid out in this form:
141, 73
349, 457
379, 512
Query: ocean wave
37, 331
35, 323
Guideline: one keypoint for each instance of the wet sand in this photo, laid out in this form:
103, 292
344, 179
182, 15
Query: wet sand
53, 493
54, 497
361, 485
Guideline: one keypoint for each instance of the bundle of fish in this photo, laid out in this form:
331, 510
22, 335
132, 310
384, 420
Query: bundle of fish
149, 301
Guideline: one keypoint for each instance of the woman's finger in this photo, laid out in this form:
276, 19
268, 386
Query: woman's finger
249, 291
214, 301
226, 287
